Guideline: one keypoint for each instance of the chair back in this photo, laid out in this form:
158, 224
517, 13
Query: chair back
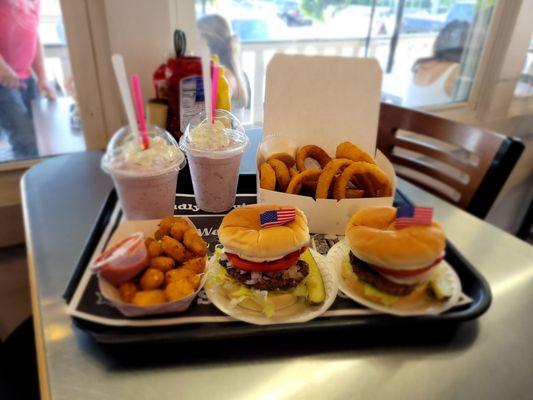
462, 164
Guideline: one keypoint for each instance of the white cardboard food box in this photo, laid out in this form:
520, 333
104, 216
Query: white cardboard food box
322, 101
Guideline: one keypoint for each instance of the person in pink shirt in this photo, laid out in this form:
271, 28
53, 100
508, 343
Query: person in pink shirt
22, 73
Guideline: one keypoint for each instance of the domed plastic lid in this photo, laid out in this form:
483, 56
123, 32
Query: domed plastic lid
224, 138
124, 155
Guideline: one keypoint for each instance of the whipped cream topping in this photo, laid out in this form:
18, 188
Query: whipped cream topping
209, 137
159, 155
159, 152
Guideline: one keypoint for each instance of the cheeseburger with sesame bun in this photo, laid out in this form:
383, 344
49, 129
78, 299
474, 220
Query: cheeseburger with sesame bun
389, 263
265, 264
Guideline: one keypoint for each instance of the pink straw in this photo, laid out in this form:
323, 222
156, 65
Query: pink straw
214, 91
137, 96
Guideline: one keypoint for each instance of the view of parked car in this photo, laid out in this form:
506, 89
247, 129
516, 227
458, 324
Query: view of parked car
290, 12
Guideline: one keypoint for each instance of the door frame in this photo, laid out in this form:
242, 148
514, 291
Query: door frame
82, 39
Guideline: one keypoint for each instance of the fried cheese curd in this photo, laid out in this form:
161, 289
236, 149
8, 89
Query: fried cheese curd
177, 263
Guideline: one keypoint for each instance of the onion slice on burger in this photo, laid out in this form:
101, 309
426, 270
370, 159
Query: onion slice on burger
406, 272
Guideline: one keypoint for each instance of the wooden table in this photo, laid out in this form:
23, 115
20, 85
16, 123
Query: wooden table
491, 358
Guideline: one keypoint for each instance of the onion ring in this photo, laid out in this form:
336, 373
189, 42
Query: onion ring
282, 173
311, 151
358, 168
296, 182
328, 173
364, 183
354, 193
352, 152
354, 190
267, 178
287, 159
293, 171
368, 185
310, 185
383, 192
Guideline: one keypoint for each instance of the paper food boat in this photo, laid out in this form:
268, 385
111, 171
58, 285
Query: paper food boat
110, 292
322, 101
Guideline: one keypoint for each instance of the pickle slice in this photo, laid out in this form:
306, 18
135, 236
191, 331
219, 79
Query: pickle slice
316, 292
440, 286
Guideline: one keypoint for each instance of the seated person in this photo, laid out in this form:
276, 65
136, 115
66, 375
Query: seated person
434, 77
222, 42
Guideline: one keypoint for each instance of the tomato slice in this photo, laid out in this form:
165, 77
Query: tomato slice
406, 272
268, 266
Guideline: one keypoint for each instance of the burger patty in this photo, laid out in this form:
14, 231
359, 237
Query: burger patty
369, 275
270, 280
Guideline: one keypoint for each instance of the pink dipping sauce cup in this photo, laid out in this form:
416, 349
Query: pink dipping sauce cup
123, 261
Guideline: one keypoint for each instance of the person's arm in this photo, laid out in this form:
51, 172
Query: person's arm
8, 77
40, 73
450, 82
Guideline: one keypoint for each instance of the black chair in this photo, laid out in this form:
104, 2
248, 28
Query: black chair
480, 161
524, 232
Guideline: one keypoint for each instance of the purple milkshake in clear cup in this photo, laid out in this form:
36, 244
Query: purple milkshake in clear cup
145, 180
214, 153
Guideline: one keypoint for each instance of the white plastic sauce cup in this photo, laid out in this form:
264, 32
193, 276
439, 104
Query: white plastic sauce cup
123, 261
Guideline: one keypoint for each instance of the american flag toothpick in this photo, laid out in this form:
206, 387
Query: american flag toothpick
277, 217
410, 216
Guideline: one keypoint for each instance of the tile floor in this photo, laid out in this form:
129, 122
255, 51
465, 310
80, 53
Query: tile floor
7, 154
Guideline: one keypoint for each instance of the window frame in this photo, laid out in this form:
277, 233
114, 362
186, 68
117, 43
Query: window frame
492, 93
496, 46
529, 94
101, 111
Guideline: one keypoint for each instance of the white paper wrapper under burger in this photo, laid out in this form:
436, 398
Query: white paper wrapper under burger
110, 292
322, 101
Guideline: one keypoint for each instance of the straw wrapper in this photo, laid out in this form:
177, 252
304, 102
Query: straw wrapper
124, 89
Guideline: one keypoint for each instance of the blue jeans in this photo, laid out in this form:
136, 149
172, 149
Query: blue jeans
16, 116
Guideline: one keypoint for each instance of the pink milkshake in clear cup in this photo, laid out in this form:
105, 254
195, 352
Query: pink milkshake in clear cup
145, 180
214, 153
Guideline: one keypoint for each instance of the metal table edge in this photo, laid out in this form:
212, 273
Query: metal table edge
40, 346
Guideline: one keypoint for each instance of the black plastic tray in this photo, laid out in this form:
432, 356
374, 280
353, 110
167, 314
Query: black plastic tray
473, 283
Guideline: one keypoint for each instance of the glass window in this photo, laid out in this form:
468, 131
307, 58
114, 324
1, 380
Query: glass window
38, 111
524, 87
429, 50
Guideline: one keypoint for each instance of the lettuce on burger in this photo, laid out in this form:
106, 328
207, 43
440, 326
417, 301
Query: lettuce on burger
262, 268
